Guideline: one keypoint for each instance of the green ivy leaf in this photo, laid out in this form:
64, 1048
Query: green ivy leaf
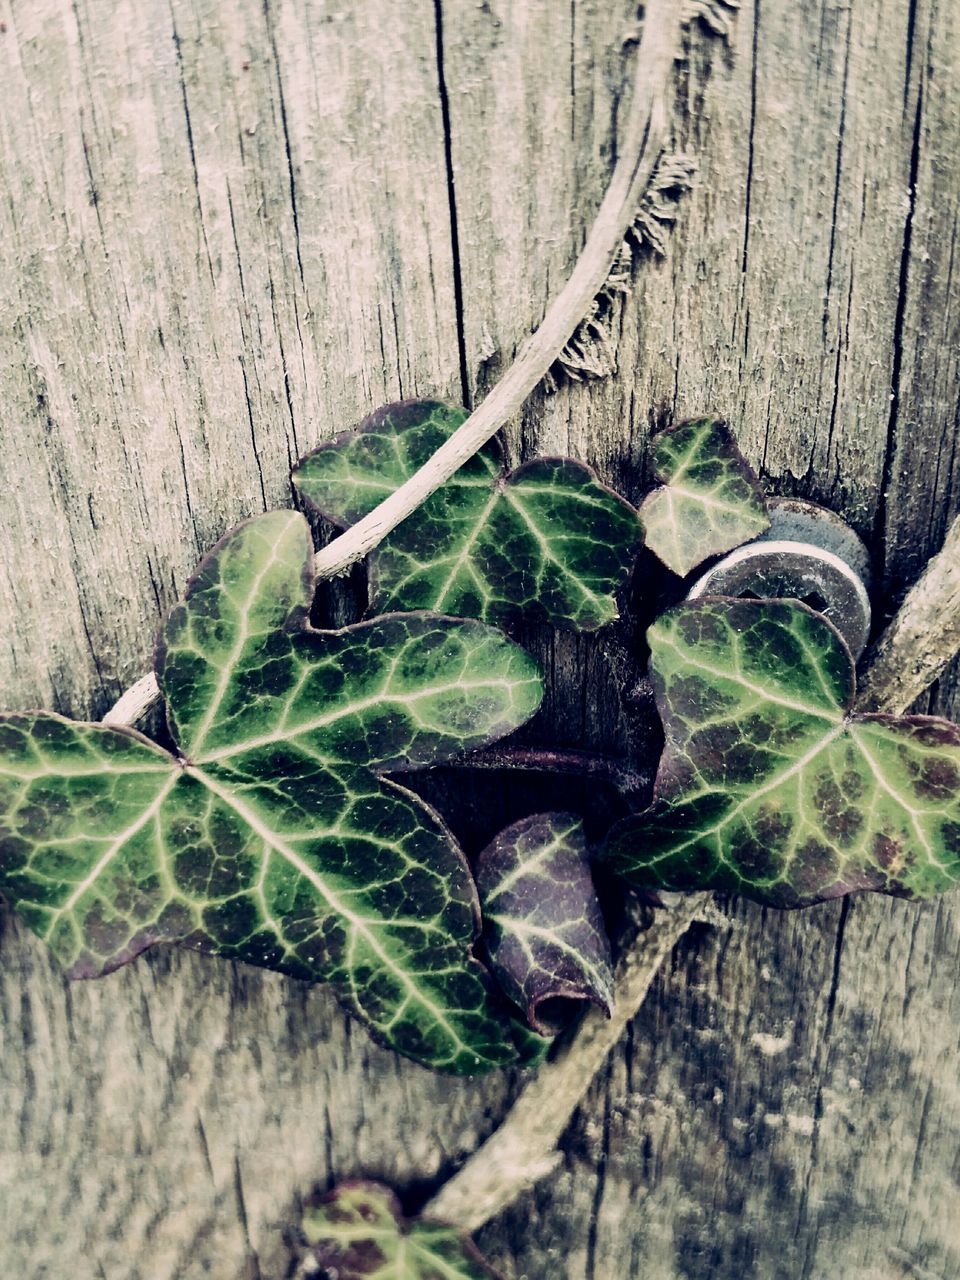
548, 540
710, 500
358, 1232
543, 926
532, 1048
270, 837
769, 785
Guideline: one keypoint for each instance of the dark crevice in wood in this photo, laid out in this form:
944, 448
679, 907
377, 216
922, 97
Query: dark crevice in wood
186, 489
911, 33
253, 435
465, 388
601, 1172
880, 524
573, 69
287, 391
282, 104
803, 1228
252, 1262
841, 131
845, 907
751, 136
205, 1148
616, 771
190, 144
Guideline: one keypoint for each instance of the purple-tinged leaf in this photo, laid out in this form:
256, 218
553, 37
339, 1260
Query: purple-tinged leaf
710, 500
358, 1232
769, 785
542, 922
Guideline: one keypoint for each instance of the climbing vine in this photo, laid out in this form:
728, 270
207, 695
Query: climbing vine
275, 826
274, 820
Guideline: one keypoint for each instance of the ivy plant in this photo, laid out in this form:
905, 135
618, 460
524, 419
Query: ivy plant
710, 500
544, 927
275, 827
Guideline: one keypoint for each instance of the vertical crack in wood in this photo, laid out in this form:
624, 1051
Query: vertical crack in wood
285, 128
252, 1269
881, 539
835, 974
843, 327
911, 35
822, 1060
253, 433
751, 134
190, 142
465, 388
594, 1228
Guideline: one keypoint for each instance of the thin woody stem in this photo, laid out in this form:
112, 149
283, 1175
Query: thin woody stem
584, 764
923, 637
523, 1149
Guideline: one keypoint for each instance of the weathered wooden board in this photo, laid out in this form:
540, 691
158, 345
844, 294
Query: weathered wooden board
227, 232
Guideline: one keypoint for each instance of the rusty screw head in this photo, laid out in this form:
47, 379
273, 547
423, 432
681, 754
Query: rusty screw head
807, 554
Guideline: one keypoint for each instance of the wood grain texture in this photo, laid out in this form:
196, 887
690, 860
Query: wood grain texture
228, 232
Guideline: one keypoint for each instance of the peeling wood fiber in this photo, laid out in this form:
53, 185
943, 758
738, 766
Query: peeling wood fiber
233, 227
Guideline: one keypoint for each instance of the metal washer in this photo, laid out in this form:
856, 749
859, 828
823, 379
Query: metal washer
808, 554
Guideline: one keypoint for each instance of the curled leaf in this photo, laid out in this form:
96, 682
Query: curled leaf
270, 837
710, 500
358, 1232
543, 925
769, 785
547, 540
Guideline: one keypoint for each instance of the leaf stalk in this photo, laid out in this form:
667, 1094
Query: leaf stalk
584, 764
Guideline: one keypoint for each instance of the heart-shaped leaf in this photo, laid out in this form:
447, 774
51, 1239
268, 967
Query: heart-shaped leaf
710, 500
358, 1232
270, 837
547, 540
542, 922
769, 785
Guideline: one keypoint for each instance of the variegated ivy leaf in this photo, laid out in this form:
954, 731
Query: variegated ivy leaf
532, 1048
358, 1232
710, 500
542, 922
548, 540
270, 837
769, 785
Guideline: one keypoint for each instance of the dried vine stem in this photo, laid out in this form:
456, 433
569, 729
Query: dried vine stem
921, 640
523, 1150
133, 702
639, 151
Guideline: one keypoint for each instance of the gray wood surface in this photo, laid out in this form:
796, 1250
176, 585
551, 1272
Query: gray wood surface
231, 228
